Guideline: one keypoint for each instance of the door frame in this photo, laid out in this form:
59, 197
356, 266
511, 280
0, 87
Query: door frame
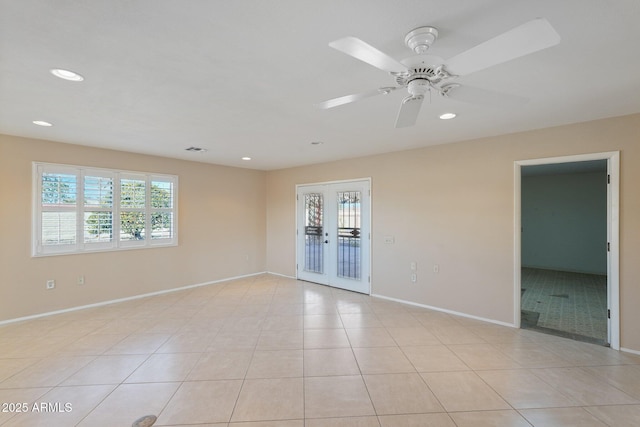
366, 274
613, 234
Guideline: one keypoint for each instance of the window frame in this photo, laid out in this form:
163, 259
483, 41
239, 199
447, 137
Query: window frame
81, 245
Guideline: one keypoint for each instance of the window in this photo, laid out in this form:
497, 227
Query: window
79, 209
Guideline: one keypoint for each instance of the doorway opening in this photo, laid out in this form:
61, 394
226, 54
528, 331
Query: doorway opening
333, 234
567, 247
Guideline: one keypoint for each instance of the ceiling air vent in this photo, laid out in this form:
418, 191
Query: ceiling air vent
196, 149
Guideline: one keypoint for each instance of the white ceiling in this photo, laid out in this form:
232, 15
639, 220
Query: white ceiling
240, 77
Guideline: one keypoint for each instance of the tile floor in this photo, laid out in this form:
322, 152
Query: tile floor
567, 302
269, 351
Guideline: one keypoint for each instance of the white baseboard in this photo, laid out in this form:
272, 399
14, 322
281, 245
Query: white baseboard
281, 275
628, 350
443, 310
115, 301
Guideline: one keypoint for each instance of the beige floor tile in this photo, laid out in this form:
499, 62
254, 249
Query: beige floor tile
95, 344
330, 361
70, 406
221, 365
340, 396
106, 370
565, 417
10, 367
617, 415
243, 323
20, 395
165, 368
322, 321
280, 340
128, 402
585, 354
344, 422
270, 399
370, 337
198, 402
416, 420
276, 364
454, 334
583, 387
532, 355
353, 307
360, 320
483, 356
382, 360
278, 423
624, 377
139, 344
319, 308
325, 338
463, 391
311, 344
47, 372
398, 320
187, 343
522, 389
413, 336
434, 358
282, 323
401, 394
489, 419
226, 340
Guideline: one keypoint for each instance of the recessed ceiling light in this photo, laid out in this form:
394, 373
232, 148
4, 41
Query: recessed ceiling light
42, 123
67, 75
246, 158
447, 116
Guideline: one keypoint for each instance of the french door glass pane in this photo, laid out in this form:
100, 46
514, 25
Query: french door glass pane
313, 233
349, 262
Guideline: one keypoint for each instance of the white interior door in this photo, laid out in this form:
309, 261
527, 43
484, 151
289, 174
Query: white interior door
334, 234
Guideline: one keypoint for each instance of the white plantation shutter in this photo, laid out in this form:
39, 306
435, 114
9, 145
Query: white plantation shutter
79, 209
98, 209
162, 207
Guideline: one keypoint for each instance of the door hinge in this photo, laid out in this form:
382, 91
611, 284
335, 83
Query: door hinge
296, 266
608, 179
608, 247
297, 197
369, 279
608, 314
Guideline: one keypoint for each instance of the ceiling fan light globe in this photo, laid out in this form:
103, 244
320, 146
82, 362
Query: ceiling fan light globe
418, 87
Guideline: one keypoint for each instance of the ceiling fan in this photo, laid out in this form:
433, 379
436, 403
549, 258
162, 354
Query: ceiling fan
423, 73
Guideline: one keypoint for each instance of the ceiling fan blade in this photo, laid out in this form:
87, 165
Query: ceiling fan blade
355, 47
527, 38
353, 98
409, 110
489, 98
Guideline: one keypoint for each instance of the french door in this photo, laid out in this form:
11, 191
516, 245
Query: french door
333, 235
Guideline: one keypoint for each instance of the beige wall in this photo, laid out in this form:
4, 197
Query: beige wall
221, 230
453, 205
450, 204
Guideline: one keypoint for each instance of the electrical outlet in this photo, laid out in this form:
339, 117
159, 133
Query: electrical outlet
413, 265
51, 284
80, 280
414, 277
436, 268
